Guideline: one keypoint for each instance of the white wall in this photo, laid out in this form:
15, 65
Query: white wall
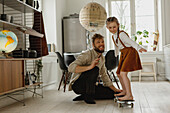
60, 13
167, 22
74, 6
53, 11
49, 16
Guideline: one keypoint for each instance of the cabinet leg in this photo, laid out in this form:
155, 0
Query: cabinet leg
16, 100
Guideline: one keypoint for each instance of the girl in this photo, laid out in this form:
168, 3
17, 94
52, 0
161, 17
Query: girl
129, 59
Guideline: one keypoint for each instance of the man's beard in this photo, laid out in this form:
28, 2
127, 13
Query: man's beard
97, 50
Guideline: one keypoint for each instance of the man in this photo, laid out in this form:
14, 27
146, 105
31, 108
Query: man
86, 68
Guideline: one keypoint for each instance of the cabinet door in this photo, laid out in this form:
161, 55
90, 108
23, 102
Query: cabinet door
1, 75
6, 76
17, 74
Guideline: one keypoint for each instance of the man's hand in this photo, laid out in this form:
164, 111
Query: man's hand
94, 63
118, 90
80, 69
115, 89
142, 50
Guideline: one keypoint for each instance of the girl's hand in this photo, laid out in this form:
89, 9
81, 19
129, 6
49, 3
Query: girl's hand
142, 50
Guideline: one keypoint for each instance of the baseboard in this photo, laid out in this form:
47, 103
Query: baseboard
52, 85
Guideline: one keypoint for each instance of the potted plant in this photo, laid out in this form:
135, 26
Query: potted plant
141, 37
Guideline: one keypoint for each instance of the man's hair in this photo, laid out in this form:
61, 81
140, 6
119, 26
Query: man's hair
95, 36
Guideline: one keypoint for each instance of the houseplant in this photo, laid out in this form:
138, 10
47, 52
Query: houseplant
141, 37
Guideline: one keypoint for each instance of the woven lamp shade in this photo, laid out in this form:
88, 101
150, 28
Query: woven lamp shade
93, 17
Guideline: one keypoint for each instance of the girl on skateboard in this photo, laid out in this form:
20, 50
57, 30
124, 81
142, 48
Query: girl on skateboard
129, 59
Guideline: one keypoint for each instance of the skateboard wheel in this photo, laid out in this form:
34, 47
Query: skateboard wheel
115, 100
132, 105
119, 105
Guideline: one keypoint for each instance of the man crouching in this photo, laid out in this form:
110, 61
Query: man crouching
86, 68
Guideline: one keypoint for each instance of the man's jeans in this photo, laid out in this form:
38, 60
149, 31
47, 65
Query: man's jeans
85, 85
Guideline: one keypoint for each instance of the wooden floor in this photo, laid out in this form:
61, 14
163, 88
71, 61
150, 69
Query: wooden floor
150, 97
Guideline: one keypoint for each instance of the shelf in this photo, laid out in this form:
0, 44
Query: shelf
21, 59
19, 5
17, 89
36, 84
24, 29
14, 69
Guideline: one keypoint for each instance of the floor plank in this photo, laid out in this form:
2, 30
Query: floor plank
150, 97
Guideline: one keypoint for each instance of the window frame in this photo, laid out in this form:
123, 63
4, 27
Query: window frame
133, 19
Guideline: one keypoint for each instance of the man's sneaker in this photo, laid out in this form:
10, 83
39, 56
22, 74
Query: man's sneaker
89, 100
79, 98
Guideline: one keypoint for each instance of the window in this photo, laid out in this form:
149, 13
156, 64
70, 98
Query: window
136, 15
122, 11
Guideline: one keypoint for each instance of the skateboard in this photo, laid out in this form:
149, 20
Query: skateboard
123, 103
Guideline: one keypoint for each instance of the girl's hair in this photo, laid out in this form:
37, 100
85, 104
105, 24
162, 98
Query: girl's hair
113, 19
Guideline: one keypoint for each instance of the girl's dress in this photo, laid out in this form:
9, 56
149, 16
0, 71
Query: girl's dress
129, 58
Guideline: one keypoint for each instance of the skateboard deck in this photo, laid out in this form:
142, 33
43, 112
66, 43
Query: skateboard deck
122, 103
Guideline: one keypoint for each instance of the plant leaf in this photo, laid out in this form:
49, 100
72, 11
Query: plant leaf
146, 36
135, 38
140, 43
138, 32
145, 33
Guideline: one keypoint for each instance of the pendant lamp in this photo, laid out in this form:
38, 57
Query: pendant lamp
93, 16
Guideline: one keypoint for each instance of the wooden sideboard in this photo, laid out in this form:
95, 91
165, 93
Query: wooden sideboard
11, 75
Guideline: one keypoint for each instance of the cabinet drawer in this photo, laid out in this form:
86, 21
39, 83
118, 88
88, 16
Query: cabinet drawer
1, 76
16, 76
6, 76
11, 75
